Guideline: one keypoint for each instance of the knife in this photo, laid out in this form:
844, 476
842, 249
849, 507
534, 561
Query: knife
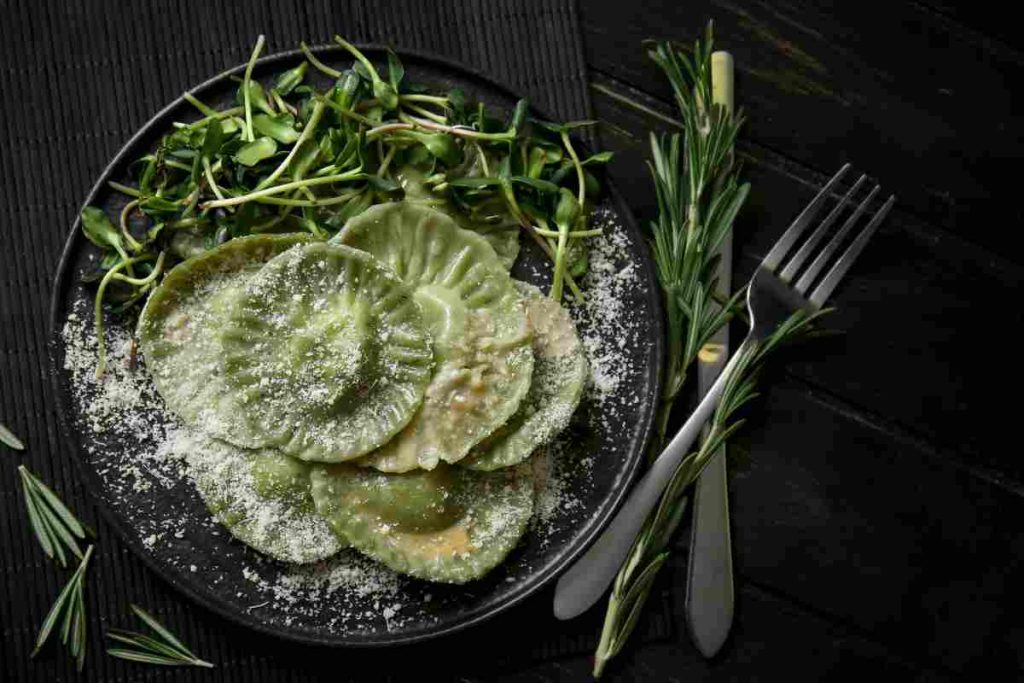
709, 583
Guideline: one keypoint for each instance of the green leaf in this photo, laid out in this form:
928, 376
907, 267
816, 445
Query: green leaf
290, 79
395, 70
441, 145
559, 128
344, 90
212, 140
257, 97
160, 205
385, 185
384, 92
8, 439
280, 127
99, 229
256, 151
535, 183
519, 115
599, 158
475, 183
568, 210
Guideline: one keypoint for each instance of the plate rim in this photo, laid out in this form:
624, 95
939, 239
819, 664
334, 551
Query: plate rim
63, 279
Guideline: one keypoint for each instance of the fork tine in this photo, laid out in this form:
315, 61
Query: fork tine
822, 291
785, 243
825, 255
808, 247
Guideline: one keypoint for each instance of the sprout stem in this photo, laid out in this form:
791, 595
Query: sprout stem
128, 208
320, 66
245, 88
286, 187
314, 120
101, 345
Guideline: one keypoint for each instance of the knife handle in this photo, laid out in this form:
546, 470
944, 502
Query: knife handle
709, 583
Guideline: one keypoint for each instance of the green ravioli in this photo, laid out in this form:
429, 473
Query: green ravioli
481, 339
178, 332
559, 375
262, 497
499, 230
328, 352
449, 525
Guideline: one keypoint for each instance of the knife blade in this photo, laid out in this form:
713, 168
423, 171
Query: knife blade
709, 581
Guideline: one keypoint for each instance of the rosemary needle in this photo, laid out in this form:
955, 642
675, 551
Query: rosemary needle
55, 526
8, 439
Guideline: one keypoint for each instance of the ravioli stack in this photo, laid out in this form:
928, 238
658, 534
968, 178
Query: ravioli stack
383, 390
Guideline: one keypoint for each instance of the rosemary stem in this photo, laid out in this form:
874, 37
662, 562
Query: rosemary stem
604, 645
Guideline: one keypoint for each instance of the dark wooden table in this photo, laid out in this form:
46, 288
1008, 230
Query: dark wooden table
876, 495
877, 501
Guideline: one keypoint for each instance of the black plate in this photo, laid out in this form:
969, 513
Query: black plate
207, 566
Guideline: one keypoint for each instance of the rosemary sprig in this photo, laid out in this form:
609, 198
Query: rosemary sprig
55, 527
651, 548
71, 604
8, 439
163, 649
699, 195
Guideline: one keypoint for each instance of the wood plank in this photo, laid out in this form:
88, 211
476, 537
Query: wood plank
769, 635
904, 95
835, 514
934, 297
992, 23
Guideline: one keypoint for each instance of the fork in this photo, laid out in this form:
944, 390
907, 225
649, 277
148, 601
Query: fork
772, 296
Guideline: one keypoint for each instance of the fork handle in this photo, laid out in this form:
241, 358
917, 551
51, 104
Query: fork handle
586, 580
